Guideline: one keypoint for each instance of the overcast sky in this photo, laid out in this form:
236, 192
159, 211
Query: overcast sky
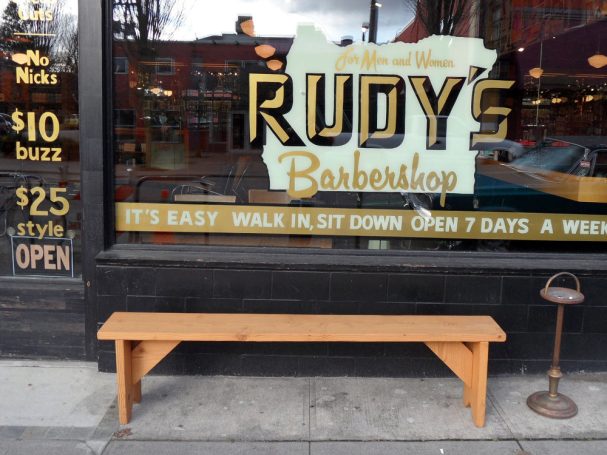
280, 17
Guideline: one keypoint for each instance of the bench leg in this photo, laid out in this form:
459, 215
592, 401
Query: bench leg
125, 380
476, 396
137, 392
467, 396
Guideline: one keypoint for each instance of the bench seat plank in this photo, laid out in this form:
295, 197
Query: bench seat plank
298, 328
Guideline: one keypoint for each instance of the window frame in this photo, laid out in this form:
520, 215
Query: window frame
159, 62
126, 66
251, 253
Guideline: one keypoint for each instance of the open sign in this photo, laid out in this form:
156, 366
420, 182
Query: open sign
46, 257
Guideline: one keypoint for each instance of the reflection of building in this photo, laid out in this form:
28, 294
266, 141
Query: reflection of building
60, 98
190, 94
544, 45
507, 25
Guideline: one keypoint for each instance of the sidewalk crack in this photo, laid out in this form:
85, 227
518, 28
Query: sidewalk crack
501, 414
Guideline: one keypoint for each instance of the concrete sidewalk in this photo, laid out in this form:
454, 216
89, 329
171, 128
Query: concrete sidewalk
69, 408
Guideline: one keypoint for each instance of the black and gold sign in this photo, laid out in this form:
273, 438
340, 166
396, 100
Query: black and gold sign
202, 218
368, 118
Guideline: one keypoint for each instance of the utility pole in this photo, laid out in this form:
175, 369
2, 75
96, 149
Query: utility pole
375, 5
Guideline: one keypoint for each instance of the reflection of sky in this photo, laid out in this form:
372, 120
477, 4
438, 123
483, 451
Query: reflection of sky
336, 18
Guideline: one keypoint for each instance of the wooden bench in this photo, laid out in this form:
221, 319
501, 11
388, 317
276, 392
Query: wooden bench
144, 339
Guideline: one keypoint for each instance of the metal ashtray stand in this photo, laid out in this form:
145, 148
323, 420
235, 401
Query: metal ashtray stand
551, 403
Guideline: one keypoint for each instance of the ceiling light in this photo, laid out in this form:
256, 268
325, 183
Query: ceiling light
274, 65
265, 50
597, 60
536, 72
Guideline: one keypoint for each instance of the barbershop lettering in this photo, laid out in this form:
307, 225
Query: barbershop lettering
271, 98
401, 179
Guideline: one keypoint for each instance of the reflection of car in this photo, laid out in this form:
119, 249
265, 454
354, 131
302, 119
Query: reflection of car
71, 122
556, 176
505, 150
6, 125
456, 129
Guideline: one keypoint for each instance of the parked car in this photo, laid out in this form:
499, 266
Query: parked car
505, 150
556, 176
6, 125
71, 122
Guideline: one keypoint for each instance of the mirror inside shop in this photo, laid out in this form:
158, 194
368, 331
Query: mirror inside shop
40, 212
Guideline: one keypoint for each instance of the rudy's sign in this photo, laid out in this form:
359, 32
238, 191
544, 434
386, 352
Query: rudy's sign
391, 118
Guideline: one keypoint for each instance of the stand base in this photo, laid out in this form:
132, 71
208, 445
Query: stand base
559, 407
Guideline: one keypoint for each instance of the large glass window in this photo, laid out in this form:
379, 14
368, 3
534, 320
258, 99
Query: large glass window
479, 128
40, 210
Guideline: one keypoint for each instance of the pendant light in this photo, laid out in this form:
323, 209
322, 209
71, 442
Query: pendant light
536, 72
598, 60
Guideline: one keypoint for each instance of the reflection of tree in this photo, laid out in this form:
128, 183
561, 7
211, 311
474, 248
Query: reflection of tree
68, 44
145, 21
57, 38
138, 24
46, 32
442, 17
11, 24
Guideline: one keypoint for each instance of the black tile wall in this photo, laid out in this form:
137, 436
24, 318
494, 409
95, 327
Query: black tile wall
185, 282
141, 281
155, 304
277, 306
542, 318
512, 300
473, 289
416, 288
111, 281
510, 318
359, 286
107, 304
583, 346
270, 365
518, 291
301, 286
595, 320
212, 305
594, 290
386, 308
242, 284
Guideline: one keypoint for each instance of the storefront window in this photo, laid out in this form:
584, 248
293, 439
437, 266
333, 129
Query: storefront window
483, 128
39, 144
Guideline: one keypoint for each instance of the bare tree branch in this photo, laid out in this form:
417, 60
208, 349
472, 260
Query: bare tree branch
442, 17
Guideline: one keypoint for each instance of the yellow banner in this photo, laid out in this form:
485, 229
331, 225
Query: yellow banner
318, 221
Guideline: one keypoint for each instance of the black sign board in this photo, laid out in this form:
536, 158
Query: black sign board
48, 256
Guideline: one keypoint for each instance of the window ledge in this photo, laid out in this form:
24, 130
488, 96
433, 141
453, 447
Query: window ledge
349, 260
